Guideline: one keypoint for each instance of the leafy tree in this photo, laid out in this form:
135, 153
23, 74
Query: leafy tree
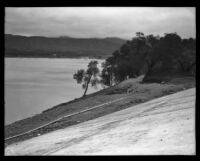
131, 57
150, 54
173, 55
187, 59
106, 74
175, 52
152, 59
90, 76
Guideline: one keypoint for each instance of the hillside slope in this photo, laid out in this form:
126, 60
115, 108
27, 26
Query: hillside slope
36, 46
161, 126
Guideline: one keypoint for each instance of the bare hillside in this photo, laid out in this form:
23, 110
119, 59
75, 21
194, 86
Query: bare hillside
165, 125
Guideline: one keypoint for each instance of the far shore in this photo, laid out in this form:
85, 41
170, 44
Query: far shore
101, 58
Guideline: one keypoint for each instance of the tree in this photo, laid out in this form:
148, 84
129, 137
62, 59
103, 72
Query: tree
131, 57
187, 59
106, 74
90, 76
170, 55
151, 55
108, 70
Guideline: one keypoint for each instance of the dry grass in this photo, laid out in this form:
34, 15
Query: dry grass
134, 91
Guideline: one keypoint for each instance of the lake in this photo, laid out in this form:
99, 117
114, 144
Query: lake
33, 85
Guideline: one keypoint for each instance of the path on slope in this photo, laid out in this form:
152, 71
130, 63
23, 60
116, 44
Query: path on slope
161, 126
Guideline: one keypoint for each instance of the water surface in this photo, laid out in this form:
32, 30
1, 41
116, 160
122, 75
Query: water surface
35, 84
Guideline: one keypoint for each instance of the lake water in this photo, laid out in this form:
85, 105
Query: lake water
35, 84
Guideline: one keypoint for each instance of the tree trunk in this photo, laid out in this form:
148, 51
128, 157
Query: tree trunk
87, 86
181, 65
191, 66
111, 79
150, 65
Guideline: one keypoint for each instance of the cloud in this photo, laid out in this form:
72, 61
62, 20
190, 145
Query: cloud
100, 21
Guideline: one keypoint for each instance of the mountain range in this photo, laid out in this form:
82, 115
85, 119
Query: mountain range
67, 47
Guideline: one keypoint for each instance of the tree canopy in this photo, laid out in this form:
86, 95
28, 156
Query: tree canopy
148, 54
88, 77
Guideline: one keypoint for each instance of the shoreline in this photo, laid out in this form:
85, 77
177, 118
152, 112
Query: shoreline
52, 75
145, 92
102, 58
165, 124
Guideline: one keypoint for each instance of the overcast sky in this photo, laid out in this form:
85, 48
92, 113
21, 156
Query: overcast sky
101, 22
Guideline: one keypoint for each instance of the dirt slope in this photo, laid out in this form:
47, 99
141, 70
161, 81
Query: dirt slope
162, 126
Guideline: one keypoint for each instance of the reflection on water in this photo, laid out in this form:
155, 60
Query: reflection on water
35, 84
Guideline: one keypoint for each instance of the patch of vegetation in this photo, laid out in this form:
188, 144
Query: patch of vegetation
145, 92
158, 58
88, 77
169, 62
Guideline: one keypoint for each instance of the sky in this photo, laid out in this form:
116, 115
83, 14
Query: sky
100, 22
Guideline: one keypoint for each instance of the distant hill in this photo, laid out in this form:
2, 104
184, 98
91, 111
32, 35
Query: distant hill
37, 46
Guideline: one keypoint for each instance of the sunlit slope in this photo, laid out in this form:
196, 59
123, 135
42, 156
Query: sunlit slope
162, 126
